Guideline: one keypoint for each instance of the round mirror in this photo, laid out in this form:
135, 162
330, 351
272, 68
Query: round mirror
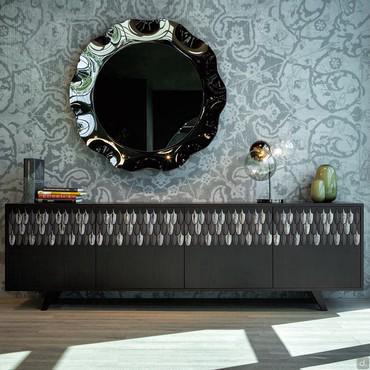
147, 94
155, 100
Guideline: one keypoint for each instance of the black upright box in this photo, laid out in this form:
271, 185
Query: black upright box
33, 178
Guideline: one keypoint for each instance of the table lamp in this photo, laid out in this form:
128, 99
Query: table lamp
261, 165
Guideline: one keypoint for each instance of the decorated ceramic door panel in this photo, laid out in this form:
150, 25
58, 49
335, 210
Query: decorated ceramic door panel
317, 246
139, 247
45, 247
228, 247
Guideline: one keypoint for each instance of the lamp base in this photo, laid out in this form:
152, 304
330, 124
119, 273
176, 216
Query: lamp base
270, 200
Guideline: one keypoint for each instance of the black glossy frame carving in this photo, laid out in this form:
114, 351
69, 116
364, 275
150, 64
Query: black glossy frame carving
139, 31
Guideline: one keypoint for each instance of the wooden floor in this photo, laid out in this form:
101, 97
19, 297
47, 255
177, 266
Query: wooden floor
178, 335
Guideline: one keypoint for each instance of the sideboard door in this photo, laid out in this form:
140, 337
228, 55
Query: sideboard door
137, 248
233, 249
47, 248
318, 246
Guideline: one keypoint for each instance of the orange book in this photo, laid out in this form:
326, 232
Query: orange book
74, 193
56, 196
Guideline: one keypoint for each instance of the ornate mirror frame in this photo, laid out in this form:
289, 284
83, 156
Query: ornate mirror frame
139, 31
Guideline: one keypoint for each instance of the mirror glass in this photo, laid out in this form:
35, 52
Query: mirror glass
148, 96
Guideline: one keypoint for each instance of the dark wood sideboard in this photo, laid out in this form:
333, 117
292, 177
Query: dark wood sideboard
300, 246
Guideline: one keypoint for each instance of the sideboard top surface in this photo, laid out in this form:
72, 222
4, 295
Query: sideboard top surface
192, 205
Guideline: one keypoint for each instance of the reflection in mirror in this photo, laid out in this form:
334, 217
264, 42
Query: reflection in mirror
148, 96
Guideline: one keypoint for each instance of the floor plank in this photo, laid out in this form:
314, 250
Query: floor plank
185, 335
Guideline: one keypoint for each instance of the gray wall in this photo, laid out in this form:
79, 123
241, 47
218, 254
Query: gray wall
297, 75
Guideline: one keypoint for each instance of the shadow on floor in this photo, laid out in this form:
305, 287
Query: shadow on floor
99, 323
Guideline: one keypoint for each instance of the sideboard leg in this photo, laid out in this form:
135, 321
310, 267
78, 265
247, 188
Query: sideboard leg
49, 298
317, 296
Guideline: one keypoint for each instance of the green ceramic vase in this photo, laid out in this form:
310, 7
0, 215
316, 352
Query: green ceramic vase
327, 174
318, 190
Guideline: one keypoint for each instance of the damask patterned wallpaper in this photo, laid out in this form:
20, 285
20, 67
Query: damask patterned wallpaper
297, 75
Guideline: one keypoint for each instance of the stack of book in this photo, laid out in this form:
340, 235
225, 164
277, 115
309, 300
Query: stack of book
60, 195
